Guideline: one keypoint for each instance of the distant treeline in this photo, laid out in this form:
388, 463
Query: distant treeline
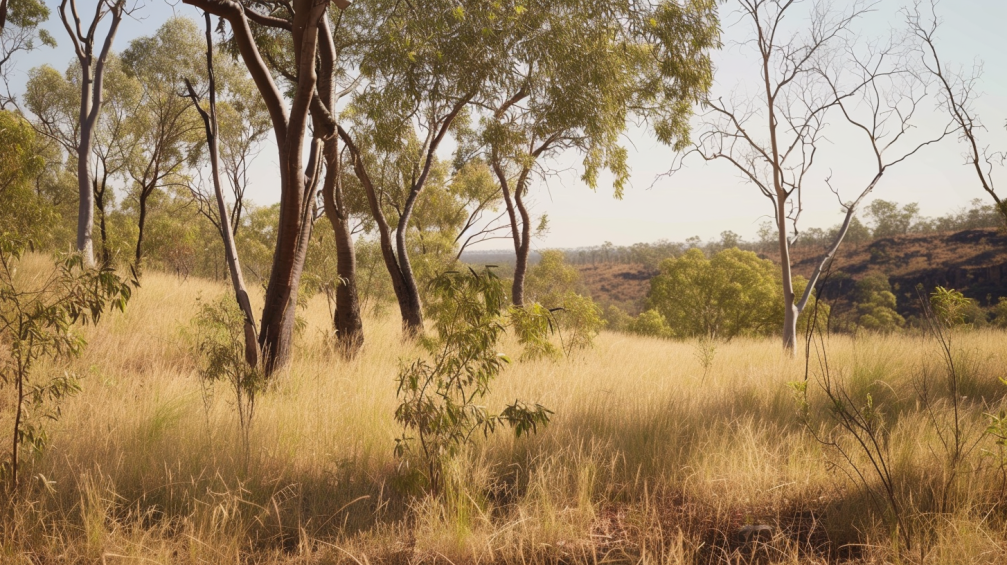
884, 219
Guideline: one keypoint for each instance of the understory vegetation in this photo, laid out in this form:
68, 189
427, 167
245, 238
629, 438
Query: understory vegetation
656, 451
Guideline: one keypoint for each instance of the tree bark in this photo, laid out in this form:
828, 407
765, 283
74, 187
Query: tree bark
347, 320
141, 222
277, 324
91, 91
412, 320
520, 223
99, 200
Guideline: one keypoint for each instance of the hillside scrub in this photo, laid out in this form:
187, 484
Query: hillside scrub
645, 458
733, 293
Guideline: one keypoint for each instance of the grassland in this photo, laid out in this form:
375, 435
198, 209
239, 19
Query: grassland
651, 456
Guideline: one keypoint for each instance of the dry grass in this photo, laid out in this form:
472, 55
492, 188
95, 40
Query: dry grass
647, 460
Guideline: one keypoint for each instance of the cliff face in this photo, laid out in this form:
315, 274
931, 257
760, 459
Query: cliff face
972, 261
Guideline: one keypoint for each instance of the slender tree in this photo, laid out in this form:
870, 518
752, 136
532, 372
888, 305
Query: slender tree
209, 118
422, 73
54, 99
580, 70
92, 68
20, 32
165, 127
773, 138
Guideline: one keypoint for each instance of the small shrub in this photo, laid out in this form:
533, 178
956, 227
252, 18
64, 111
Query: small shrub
734, 293
952, 308
616, 319
650, 323
533, 324
1000, 313
440, 395
219, 345
580, 320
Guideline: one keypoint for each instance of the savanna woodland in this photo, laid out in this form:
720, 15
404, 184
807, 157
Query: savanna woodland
276, 284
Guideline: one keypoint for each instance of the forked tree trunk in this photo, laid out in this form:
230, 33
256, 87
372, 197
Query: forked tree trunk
91, 91
347, 320
520, 222
296, 198
411, 313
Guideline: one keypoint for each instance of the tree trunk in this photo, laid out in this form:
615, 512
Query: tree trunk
790, 312
85, 209
409, 301
14, 456
90, 108
412, 320
99, 200
346, 320
296, 198
230, 249
140, 224
520, 222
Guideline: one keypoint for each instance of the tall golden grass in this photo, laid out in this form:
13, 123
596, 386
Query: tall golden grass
650, 457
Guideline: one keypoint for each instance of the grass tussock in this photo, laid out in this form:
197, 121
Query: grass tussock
650, 458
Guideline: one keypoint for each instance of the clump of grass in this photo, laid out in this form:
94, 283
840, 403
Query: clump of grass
645, 460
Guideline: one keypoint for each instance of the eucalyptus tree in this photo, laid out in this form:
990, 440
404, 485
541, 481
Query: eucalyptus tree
423, 70
209, 119
289, 123
165, 127
580, 69
812, 65
54, 98
338, 208
20, 32
92, 79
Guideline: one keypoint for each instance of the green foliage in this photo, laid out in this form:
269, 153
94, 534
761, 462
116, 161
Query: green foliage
533, 324
40, 306
551, 279
890, 220
557, 286
219, 346
681, 35
616, 319
733, 294
22, 209
954, 309
440, 394
1000, 313
579, 320
876, 305
650, 323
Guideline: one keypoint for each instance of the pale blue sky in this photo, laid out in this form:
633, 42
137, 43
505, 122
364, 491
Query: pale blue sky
706, 199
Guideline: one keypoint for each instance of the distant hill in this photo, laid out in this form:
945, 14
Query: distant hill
973, 261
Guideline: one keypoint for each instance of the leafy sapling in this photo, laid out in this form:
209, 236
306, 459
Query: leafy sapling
440, 394
41, 305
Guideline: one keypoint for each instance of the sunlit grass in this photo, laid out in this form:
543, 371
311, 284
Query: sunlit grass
649, 458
